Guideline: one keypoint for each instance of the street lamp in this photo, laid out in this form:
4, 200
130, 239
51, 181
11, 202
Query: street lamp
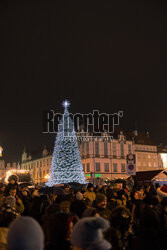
1, 150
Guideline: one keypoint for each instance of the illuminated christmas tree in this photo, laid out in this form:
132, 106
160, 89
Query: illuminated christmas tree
66, 164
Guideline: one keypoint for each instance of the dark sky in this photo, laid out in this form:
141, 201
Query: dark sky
105, 55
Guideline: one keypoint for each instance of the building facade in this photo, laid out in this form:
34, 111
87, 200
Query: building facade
102, 157
38, 166
105, 158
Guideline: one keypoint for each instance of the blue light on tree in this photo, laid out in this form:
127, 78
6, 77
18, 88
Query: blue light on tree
66, 164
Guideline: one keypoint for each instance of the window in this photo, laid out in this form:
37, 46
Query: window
88, 167
43, 173
114, 148
97, 166
129, 149
97, 148
87, 148
106, 167
84, 167
122, 149
122, 167
105, 149
115, 167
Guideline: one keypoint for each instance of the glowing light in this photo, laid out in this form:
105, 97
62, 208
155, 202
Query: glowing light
47, 176
66, 164
66, 104
1, 149
164, 159
14, 171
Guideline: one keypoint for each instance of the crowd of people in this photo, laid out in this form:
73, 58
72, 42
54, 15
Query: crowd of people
84, 218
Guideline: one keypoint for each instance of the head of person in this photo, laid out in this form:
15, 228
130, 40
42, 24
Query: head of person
60, 226
26, 234
87, 234
83, 192
24, 190
90, 187
12, 179
77, 208
101, 200
79, 196
67, 188
121, 219
12, 191
10, 201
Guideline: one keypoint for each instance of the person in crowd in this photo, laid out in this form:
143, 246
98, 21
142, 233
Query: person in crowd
90, 194
58, 228
101, 206
148, 236
77, 208
19, 206
25, 234
120, 232
12, 184
88, 234
7, 215
25, 196
66, 189
79, 196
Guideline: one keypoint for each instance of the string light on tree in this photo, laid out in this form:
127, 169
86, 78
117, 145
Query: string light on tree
66, 164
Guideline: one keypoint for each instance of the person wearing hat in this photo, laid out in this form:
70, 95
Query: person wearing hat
25, 233
101, 206
90, 194
19, 206
12, 184
88, 234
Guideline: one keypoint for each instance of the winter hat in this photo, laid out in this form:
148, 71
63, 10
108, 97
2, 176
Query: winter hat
100, 198
162, 192
13, 177
90, 185
79, 196
87, 234
10, 201
25, 234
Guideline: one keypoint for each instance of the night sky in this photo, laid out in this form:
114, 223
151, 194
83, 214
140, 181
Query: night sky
105, 55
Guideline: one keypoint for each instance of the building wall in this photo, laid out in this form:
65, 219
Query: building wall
146, 157
39, 168
100, 158
110, 156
